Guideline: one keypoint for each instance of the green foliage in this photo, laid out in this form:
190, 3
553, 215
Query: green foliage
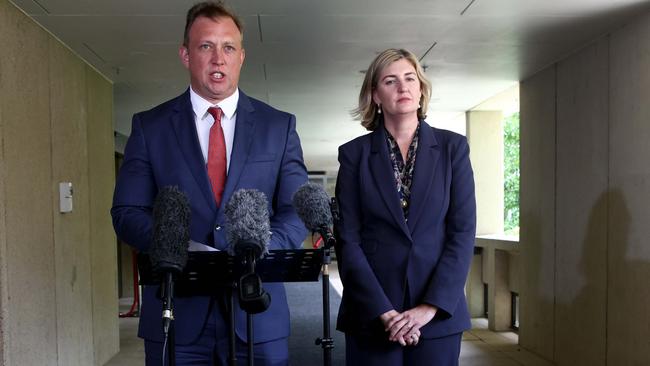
511, 172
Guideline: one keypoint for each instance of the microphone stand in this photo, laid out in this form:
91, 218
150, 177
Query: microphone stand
232, 357
168, 317
252, 297
327, 343
250, 261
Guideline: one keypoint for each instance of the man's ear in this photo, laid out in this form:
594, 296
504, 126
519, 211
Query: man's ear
243, 56
184, 54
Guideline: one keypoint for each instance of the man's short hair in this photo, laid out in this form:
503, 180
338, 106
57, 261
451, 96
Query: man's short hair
209, 9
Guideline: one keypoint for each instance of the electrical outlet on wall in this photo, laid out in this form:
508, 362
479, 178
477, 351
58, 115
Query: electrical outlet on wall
65, 197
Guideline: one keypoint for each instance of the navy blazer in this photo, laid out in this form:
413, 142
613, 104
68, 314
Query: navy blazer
382, 257
164, 150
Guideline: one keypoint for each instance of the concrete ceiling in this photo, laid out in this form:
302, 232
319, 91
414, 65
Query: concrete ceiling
307, 56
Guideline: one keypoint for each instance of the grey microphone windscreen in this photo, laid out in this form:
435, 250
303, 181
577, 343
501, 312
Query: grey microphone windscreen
312, 204
248, 221
171, 231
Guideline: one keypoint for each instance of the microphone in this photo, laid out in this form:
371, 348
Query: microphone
248, 222
312, 204
248, 235
170, 241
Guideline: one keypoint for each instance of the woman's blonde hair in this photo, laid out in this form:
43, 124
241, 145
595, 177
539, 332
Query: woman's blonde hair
366, 112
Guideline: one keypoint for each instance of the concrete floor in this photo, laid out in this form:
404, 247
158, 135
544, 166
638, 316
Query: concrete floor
131, 347
480, 347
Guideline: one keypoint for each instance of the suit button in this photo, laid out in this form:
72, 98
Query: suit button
218, 228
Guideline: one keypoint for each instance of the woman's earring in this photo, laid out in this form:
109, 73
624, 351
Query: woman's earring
378, 109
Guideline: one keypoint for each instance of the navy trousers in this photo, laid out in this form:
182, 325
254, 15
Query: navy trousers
373, 351
212, 347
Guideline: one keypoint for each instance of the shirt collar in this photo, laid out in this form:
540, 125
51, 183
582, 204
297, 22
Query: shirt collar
228, 105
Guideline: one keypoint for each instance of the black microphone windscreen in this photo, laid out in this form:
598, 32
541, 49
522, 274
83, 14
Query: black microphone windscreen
171, 231
248, 221
312, 204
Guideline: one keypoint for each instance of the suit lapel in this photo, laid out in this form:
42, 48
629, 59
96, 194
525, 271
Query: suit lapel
382, 172
423, 173
185, 129
244, 132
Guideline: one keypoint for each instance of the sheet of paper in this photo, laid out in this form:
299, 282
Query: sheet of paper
195, 246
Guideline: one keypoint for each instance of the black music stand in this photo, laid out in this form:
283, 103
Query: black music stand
208, 273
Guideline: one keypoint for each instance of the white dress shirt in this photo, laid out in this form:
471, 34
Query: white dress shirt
204, 121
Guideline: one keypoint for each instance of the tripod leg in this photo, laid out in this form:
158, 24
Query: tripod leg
327, 341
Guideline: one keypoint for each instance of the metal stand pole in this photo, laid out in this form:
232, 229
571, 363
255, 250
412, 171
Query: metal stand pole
171, 350
249, 331
231, 340
168, 318
327, 343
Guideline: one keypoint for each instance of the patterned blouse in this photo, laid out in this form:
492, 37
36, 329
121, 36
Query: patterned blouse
403, 172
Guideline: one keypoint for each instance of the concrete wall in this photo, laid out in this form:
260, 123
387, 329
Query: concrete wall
58, 298
585, 204
537, 212
103, 252
628, 209
581, 210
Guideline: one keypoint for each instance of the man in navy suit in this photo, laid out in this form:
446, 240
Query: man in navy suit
170, 145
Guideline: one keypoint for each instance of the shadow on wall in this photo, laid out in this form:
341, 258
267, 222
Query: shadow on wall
537, 286
581, 294
606, 321
628, 283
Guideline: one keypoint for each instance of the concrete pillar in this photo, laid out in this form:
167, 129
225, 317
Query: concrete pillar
474, 288
499, 297
485, 136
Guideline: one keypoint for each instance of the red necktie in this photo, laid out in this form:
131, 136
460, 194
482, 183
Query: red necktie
217, 155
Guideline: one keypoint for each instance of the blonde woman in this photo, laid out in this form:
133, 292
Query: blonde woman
407, 224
